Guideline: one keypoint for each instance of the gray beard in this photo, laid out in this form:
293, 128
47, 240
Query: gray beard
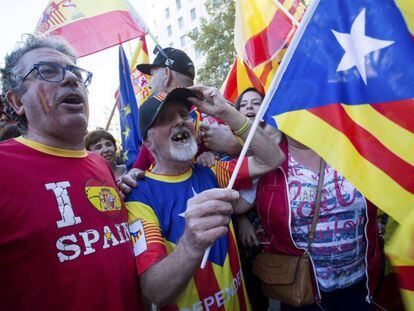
186, 153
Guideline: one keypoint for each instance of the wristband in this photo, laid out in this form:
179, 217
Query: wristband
244, 128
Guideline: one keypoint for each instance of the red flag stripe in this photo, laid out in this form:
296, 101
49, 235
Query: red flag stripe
206, 283
368, 145
406, 277
263, 45
235, 268
292, 10
230, 92
401, 112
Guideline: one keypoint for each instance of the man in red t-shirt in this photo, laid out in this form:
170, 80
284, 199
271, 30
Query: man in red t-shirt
64, 240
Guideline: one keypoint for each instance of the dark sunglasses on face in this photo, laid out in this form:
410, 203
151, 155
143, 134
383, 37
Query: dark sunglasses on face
55, 73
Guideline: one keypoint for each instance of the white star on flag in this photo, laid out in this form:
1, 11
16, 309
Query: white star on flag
357, 45
183, 213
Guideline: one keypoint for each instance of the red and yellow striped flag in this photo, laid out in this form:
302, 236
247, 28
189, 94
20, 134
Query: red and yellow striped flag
90, 27
262, 32
240, 77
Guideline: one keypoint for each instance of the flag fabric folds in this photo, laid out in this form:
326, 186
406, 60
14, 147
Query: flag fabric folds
128, 113
240, 77
140, 81
262, 31
90, 27
346, 92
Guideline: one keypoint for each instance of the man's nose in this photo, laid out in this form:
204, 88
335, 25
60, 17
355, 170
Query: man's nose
70, 78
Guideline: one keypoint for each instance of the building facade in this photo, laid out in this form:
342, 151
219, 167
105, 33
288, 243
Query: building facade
170, 21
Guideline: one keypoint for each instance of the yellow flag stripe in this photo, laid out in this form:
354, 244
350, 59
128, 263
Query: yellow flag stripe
252, 16
384, 129
82, 9
338, 151
142, 211
407, 10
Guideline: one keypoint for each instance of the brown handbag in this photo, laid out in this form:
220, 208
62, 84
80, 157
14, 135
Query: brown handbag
288, 278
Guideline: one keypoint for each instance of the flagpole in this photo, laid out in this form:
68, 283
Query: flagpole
287, 13
108, 123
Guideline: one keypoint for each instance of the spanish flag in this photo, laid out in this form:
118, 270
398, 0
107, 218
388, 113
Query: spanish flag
91, 26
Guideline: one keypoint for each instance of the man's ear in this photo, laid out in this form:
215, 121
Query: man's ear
148, 144
168, 77
15, 102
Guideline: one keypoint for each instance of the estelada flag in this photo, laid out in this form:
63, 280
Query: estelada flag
345, 89
91, 26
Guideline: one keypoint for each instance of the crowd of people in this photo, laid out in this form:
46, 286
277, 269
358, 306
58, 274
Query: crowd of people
79, 231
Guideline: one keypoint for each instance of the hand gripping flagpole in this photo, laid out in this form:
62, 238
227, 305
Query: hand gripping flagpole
263, 107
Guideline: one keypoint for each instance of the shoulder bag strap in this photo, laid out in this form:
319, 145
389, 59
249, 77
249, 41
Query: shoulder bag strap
311, 235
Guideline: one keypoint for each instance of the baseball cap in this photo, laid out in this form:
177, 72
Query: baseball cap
172, 58
150, 109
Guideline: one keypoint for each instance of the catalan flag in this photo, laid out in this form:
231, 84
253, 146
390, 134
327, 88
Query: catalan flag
91, 26
345, 89
263, 29
128, 113
240, 77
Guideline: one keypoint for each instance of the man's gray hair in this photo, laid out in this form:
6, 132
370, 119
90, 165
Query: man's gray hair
11, 77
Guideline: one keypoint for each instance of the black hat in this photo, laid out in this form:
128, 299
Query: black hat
150, 109
172, 58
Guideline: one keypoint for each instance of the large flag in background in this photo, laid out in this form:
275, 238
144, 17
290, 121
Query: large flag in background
128, 113
262, 30
347, 91
261, 34
91, 26
140, 81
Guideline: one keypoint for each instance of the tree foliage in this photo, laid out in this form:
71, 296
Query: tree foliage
214, 40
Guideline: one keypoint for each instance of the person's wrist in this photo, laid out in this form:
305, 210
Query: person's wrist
190, 250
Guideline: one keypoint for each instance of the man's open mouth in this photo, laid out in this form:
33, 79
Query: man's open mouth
72, 99
181, 136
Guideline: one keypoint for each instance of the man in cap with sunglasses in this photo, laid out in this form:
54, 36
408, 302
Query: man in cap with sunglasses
177, 211
64, 242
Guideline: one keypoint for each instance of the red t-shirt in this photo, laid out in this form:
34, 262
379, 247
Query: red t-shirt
64, 241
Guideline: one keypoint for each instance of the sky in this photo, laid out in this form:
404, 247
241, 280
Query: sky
21, 16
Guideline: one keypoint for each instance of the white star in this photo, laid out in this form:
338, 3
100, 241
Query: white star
183, 213
357, 45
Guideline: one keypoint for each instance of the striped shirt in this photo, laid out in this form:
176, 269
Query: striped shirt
156, 215
338, 250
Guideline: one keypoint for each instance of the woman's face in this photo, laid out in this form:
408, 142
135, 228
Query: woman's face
250, 104
105, 148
